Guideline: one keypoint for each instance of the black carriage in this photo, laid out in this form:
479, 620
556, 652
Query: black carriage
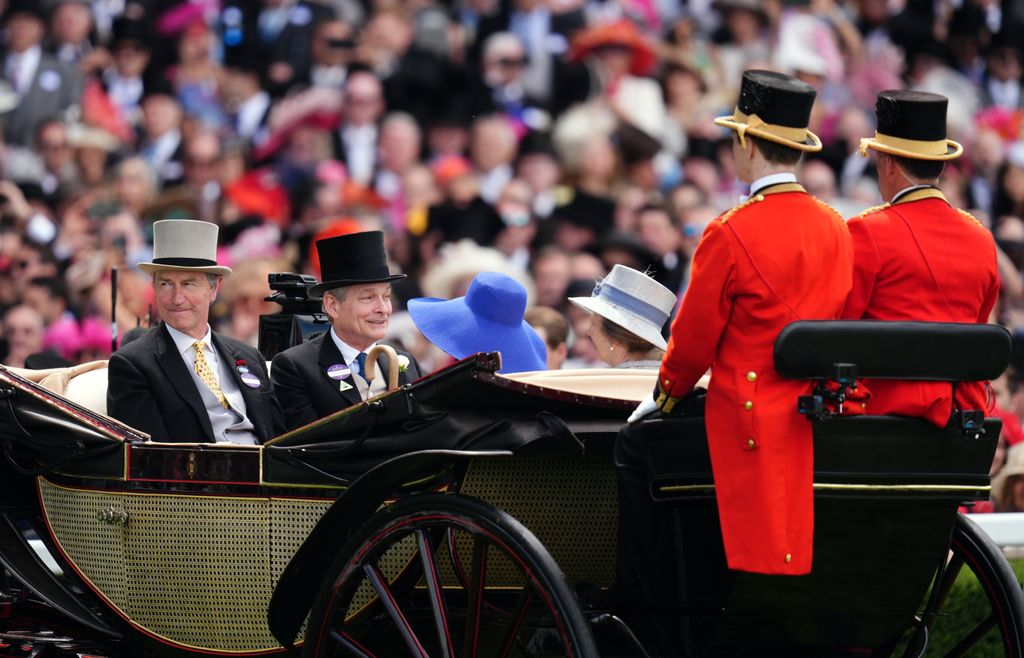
464, 514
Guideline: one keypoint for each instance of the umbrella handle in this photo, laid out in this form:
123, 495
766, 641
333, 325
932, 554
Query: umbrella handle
371, 364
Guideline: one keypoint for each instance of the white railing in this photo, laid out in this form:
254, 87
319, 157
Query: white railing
1005, 529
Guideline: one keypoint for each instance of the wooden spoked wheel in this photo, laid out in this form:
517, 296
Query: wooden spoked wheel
993, 627
449, 576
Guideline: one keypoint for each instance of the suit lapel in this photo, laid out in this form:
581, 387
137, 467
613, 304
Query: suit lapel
179, 379
330, 355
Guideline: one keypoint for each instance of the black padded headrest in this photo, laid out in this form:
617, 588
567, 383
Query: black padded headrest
929, 351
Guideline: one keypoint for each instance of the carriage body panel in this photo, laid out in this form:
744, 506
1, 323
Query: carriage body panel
181, 548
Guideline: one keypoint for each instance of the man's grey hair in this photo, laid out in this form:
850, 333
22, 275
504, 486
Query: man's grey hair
339, 293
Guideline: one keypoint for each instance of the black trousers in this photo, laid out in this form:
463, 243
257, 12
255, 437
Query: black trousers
647, 574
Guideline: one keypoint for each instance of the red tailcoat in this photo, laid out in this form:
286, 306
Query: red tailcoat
920, 259
781, 256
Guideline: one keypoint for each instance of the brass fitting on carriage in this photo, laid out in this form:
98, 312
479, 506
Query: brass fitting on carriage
663, 401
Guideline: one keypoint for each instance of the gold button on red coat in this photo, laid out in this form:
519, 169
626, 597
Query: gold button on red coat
748, 405
789, 558
751, 444
751, 376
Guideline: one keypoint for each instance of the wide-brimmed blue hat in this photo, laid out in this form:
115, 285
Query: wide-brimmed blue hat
488, 319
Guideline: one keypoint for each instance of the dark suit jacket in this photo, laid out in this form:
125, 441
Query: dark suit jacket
305, 391
54, 89
150, 388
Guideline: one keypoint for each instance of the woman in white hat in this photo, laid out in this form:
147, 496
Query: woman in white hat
627, 311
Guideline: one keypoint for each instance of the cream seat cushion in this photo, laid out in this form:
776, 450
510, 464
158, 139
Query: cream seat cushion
84, 384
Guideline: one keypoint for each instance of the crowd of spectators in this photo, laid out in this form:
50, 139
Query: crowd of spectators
545, 139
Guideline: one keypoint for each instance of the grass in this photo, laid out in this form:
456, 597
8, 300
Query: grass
964, 609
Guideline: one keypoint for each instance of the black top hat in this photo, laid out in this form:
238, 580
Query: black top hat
588, 211
776, 107
1008, 37
126, 29
26, 7
348, 260
246, 56
537, 143
912, 124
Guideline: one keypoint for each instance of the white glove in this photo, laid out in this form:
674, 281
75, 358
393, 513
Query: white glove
645, 407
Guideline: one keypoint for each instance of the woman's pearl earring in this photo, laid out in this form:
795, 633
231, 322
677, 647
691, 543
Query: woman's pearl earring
611, 347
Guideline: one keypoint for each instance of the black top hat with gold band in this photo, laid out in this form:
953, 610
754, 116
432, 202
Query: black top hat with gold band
912, 124
775, 107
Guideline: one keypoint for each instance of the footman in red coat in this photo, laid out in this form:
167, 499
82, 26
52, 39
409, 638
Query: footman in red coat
916, 257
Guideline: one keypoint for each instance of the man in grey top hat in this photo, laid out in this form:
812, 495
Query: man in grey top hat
180, 381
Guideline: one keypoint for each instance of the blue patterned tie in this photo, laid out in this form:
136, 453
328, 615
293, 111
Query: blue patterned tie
361, 362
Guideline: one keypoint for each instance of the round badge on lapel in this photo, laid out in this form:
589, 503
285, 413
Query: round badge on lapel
242, 369
250, 380
338, 371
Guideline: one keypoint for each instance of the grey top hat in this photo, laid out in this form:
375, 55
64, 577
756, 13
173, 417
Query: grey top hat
632, 300
184, 245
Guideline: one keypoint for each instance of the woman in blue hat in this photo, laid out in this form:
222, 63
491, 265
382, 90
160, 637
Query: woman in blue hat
489, 318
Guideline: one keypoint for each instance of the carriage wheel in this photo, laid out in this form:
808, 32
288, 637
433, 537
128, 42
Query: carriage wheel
978, 563
393, 590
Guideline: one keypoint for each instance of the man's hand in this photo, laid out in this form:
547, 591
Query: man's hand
647, 406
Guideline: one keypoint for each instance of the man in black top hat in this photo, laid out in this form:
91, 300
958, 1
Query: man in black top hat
248, 104
326, 374
125, 79
917, 258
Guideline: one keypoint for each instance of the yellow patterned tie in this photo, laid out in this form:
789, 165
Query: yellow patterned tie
205, 374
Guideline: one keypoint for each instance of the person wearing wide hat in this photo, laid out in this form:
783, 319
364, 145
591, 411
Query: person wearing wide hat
326, 373
488, 318
180, 381
779, 256
917, 258
627, 311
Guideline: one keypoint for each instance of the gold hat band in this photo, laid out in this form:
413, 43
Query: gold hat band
748, 121
937, 149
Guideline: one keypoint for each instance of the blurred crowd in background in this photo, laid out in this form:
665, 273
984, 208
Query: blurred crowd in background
547, 139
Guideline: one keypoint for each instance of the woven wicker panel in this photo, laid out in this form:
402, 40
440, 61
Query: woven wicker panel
291, 521
97, 549
569, 503
196, 570
199, 569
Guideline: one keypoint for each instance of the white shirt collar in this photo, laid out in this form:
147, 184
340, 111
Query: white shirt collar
251, 111
184, 342
27, 63
771, 179
348, 352
908, 190
365, 133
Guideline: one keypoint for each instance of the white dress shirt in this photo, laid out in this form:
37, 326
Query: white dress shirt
350, 353
360, 144
229, 425
250, 114
20, 68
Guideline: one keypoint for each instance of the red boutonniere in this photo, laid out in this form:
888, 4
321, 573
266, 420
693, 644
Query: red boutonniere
239, 362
